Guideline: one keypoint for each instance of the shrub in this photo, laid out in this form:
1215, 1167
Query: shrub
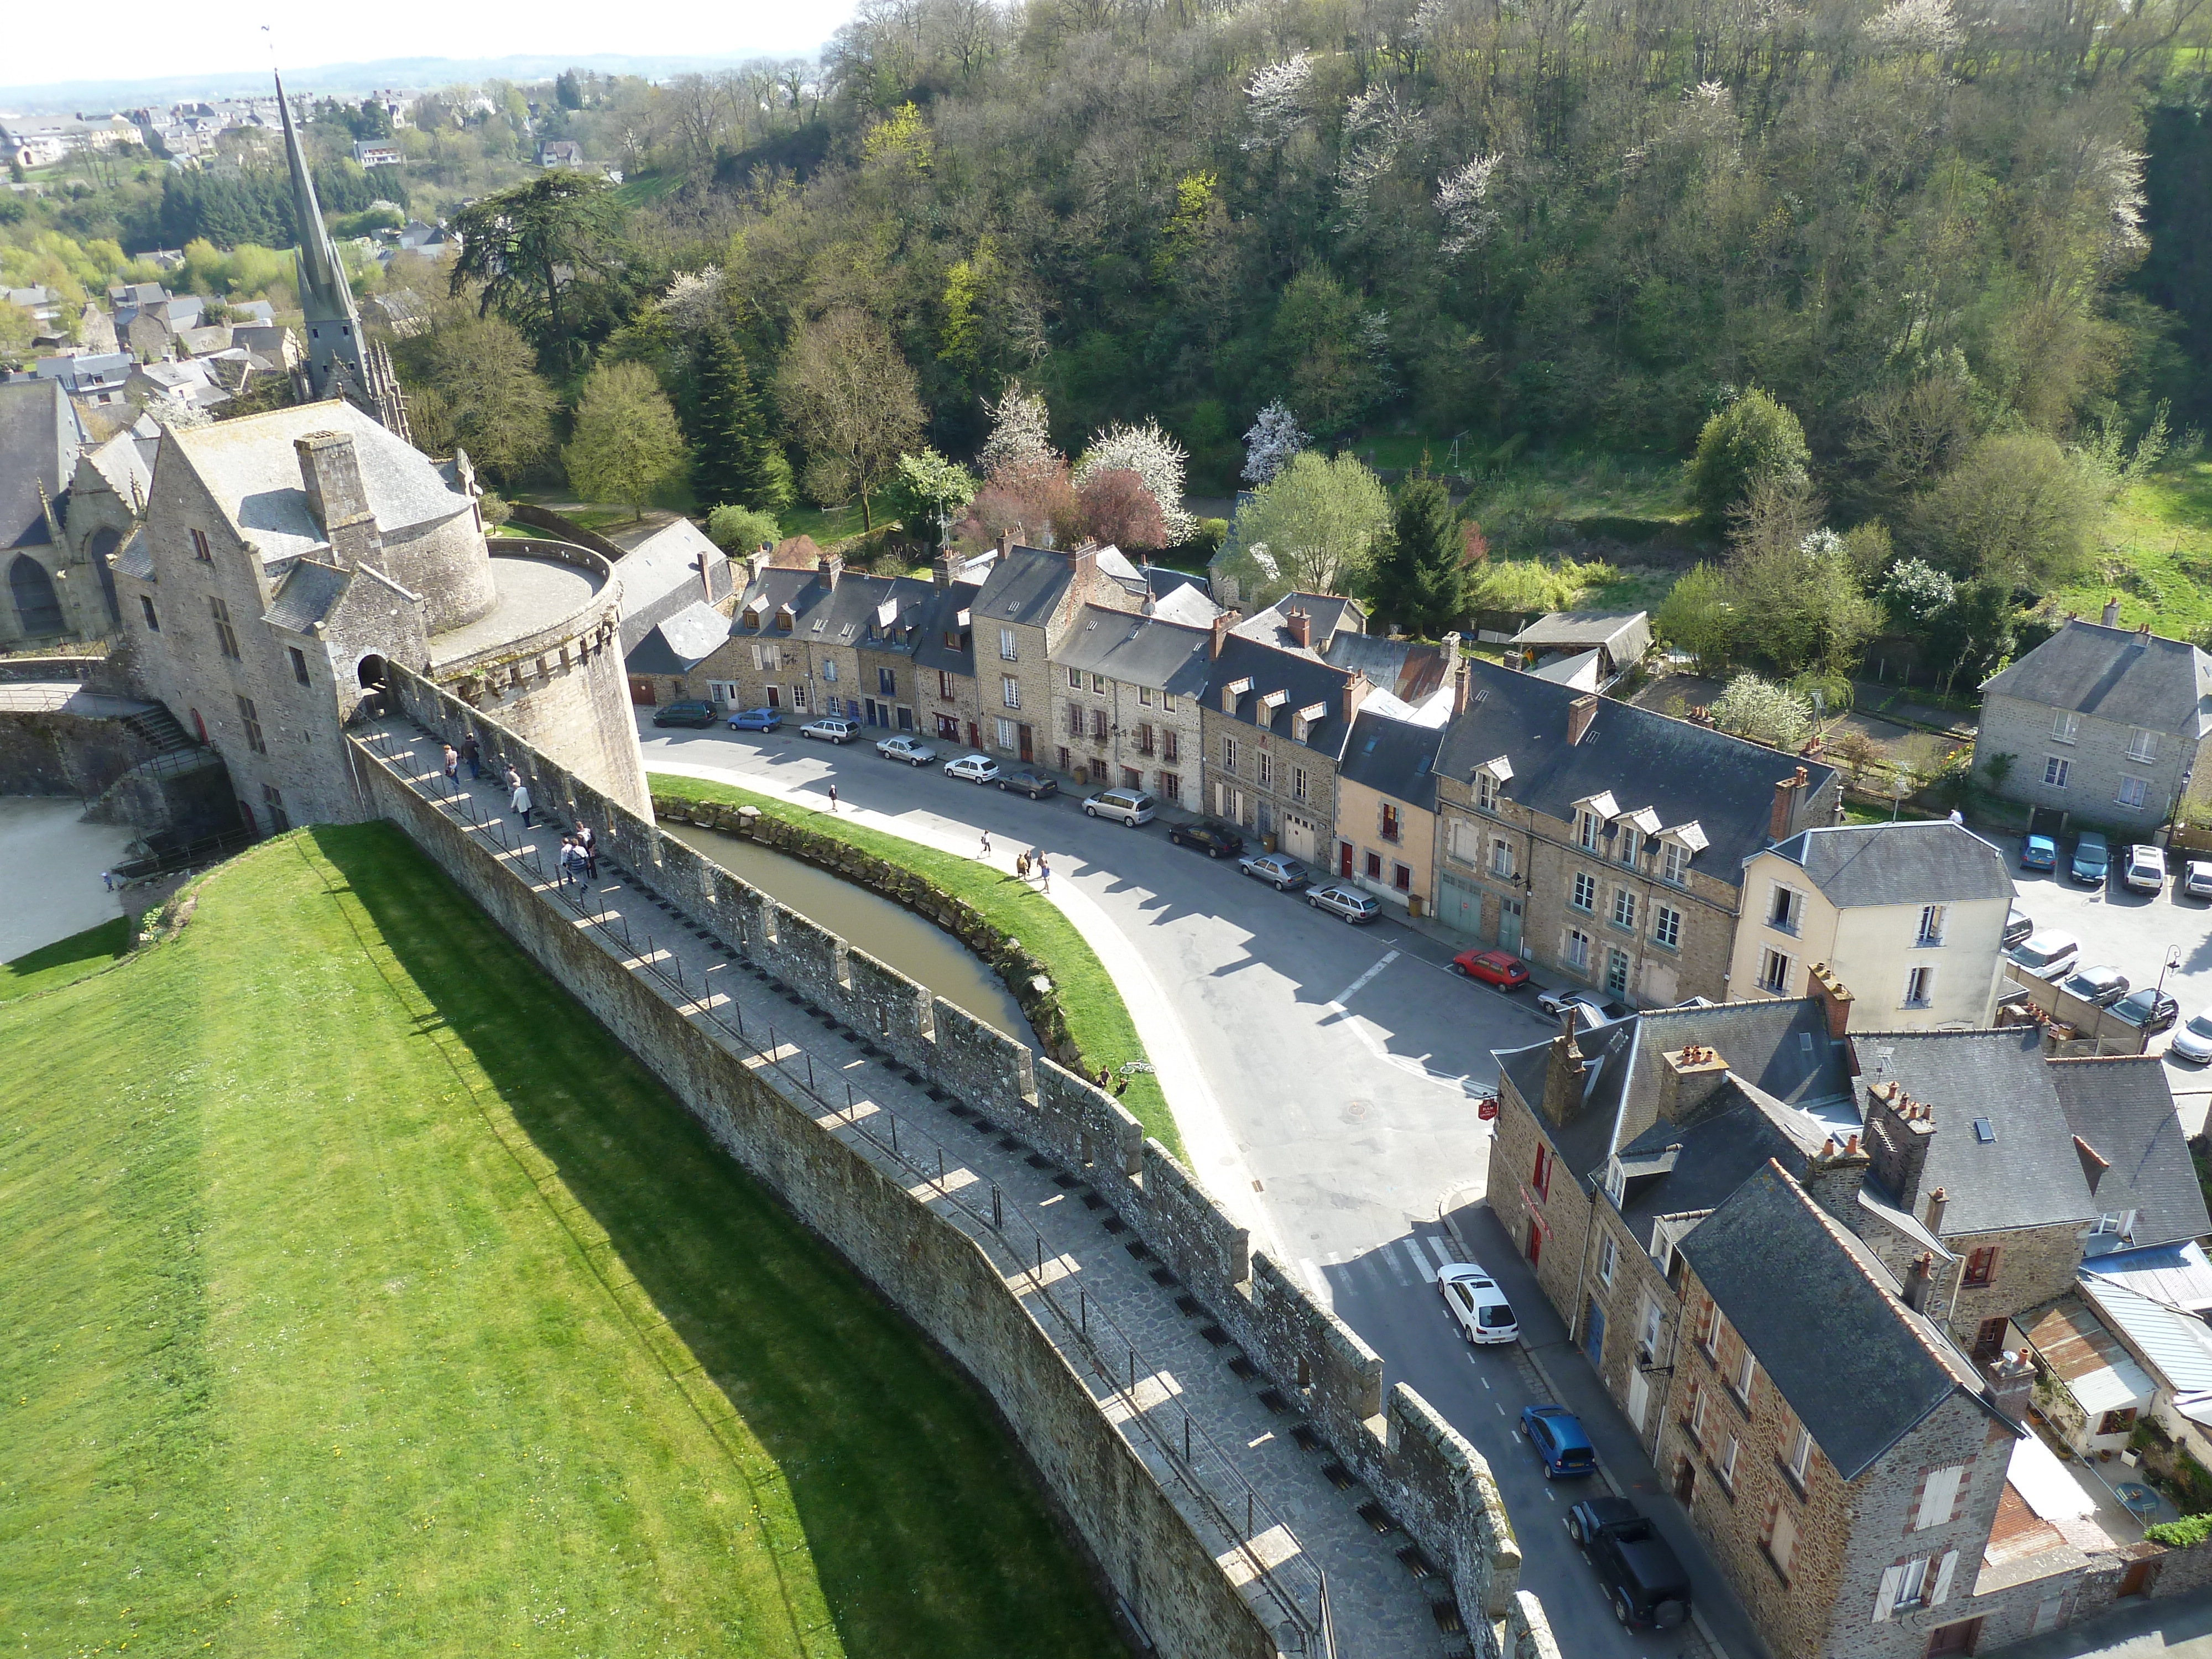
2179, 1535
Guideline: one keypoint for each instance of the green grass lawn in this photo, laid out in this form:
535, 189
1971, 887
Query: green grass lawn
1097, 1018
65, 960
364, 1297
830, 526
2158, 560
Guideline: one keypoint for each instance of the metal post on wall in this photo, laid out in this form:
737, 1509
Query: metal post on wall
998, 1215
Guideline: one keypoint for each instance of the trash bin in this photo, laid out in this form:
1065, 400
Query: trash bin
1267, 844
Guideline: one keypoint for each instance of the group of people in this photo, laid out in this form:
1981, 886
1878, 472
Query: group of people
579, 855
1024, 862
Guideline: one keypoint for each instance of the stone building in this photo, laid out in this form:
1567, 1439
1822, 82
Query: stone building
1605, 842
948, 700
798, 639
1274, 726
1028, 607
1126, 704
66, 507
2102, 723
1911, 916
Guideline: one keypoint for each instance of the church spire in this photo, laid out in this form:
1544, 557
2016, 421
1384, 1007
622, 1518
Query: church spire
324, 294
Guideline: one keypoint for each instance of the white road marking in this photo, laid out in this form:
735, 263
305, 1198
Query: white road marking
1441, 1251
1413, 1248
1485, 1383
1360, 984
1389, 1256
1373, 1044
1320, 1285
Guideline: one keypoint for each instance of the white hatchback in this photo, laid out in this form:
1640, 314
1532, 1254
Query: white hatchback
974, 768
1477, 1305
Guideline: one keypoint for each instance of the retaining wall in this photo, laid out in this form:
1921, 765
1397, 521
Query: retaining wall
1436, 1484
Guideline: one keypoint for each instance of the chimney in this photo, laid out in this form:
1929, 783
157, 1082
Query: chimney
1563, 1074
1580, 713
2012, 1380
707, 577
1221, 630
2142, 636
1898, 1130
1835, 1000
940, 570
1834, 1176
756, 561
1005, 542
828, 567
1462, 675
1300, 626
1932, 1218
1085, 564
329, 471
1687, 1080
2112, 613
1919, 1280
1785, 806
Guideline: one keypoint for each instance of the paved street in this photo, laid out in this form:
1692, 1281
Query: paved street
1344, 1061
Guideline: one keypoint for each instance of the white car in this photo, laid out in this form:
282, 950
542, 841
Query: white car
913, 750
2146, 868
2193, 1039
2197, 879
2047, 956
1589, 1010
831, 728
1477, 1305
976, 768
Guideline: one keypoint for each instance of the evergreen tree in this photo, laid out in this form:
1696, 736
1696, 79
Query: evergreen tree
733, 460
1419, 576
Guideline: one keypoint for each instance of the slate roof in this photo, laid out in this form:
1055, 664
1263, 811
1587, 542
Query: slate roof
660, 577
124, 461
2114, 674
1026, 585
940, 616
1684, 773
1626, 636
1407, 670
1330, 614
310, 590
2122, 1106
38, 441
135, 557
1585, 1141
250, 467
1864, 864
1694, 1166
680, 643
1392, 758
1139, 650
1863, 1372
1303, 678
826, 613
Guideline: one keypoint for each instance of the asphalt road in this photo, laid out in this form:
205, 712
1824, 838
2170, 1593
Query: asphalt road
1346, 1060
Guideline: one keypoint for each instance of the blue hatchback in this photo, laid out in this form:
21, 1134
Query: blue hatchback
1557, 1434
756, 719
2039, 852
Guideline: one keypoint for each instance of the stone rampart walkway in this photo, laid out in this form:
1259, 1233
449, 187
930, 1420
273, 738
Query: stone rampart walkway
1255, 1484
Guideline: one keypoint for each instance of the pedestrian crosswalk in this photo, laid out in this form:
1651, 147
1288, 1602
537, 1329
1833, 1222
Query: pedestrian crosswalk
1413, 1260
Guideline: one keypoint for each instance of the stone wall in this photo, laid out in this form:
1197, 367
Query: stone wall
53, 753
1421, 1470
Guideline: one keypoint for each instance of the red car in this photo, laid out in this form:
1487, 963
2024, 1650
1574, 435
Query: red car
1507, 972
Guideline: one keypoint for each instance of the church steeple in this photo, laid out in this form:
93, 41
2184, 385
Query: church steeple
340, 363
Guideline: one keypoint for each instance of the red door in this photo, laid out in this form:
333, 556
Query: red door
1344, 859
1536, 1240
775, 698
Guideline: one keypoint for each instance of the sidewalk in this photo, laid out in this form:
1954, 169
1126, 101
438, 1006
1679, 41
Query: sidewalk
1621, 1462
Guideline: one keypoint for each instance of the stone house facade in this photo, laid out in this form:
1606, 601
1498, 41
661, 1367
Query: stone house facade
948, 701
818, 641
1027, 608
1274, 728
1127, 703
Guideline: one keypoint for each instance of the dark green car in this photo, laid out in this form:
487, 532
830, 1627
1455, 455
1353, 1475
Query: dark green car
685, 714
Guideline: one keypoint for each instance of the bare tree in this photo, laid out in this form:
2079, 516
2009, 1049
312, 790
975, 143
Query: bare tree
850, 400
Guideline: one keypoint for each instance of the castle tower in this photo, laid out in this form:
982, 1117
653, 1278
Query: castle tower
340, 363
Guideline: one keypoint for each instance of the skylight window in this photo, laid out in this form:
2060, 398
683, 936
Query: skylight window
1984, 1131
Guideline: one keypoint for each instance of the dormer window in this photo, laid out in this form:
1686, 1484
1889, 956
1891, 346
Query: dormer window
1675, 865
1485, 793
1630, 843
783, 622
1233, 690
1586, 831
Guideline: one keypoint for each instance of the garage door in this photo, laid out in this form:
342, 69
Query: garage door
1298, 837
1459, 906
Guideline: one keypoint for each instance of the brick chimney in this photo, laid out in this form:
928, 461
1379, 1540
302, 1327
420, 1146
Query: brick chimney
940, 570
1221, 623
1834, 1176
1687, 1080
1300, 626
1919, 1280
1005, 542
1565, 1073
828, 567
707, 576
1835, 1000
2142, 637
1785, 806
1898, 1130
2012, 1380
1932, 1216
2111, 618
1463, 676
329, 471
1580, 713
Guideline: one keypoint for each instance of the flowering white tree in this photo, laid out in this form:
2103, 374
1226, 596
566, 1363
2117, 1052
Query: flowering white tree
1021, 429
1154, 457
692, 298
1274, 99
2113, 174
1376, 130
1463, 199
1273, 438
1916, 26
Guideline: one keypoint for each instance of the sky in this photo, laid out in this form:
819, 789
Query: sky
138, 38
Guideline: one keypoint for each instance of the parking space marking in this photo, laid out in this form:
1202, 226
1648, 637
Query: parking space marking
1360, 984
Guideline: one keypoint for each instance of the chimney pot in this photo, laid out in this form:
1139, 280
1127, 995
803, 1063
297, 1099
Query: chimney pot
1938, 1201
830, 567
2142, 636
940, 570
1580, 713
1785, 806
2112, 613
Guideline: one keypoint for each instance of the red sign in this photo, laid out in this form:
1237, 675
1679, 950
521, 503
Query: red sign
1486, 1109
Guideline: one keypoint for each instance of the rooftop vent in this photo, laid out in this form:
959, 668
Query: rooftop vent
1984, 1131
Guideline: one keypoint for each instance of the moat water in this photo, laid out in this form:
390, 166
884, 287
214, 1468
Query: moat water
892, 934
53, 859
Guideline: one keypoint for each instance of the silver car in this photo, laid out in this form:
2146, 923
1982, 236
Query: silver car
2046, 956
2193, 1041
1349, 902
1132, 806
831, 728
913, 750
1279, 869
2103, 986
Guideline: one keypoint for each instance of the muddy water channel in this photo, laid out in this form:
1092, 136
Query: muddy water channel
889, 933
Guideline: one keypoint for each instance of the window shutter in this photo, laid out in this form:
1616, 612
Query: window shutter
1939, 1497
1885, 1597
1943, 1579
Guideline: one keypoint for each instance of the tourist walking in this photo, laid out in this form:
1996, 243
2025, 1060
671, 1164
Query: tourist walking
513, 777
588, 845
453, 768
985, 854
472, 755
833, 797
521, 801
565, 863
1022, 866
1044, 873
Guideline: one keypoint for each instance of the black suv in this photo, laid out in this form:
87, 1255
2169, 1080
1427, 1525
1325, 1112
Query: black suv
685, 714
1214, 838
1644, 1578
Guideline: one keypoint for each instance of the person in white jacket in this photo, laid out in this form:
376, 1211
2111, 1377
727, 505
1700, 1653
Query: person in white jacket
521, 802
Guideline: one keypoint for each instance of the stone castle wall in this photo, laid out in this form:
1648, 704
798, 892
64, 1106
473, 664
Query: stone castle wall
1424, 1473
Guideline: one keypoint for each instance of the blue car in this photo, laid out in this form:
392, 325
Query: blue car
1557, 1434
2039, 852
2093, 857
756, 719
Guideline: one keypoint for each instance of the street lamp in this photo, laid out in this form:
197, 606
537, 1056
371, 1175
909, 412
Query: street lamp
2173, 962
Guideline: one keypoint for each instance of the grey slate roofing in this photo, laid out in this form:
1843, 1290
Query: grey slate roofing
1139, 650
2114, 674
1392, 758
1026, 585
1304, 680
1858, 865
2027, 1175
678, 643
1329, 614
39, 442
1861, 1371
1407, 669
843, 612
940, 618
660, 577
1624, 635
1677, 1169
134, 557
310, 590
1585, 1141
2122, 1106
1685, 773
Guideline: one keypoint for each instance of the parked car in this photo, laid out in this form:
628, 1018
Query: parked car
1132, 806
1028, 781
1555, 1003
831, 728
2039, 852
2194, 1039
2093, 857
1348, 902
2145, 870
1643, 1577
2197, 879
756, 719
2019, 926
1557, 1434
2101, 985
1476, 1304
1214, 838
2150, 1011
685, 714
913, 750
1279, 869
2046, 955
1500, 968
973, 768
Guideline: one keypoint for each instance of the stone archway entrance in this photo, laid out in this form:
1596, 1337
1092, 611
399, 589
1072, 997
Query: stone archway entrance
38, 611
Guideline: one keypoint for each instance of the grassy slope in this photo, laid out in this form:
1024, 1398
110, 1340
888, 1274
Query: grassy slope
1097, 1018
65, 960
2159, 562
364, 1297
